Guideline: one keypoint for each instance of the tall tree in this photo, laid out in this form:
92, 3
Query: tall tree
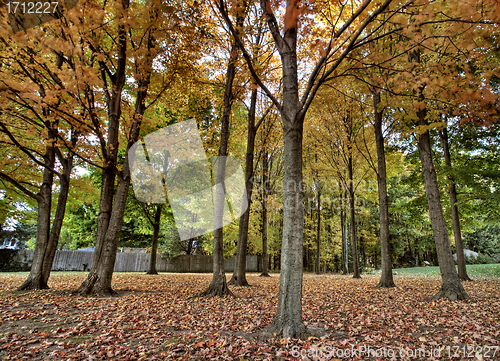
136, 50
264, 195
343, 231
288, 320
455, 219
154, 242
349, 129
100, 276
239, 275
386, 279
451, 287
218, 286
318, 228
34, 107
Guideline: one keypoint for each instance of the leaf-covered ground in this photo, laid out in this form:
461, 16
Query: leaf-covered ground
155, 318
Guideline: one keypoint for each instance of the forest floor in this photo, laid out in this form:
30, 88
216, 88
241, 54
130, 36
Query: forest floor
155, 318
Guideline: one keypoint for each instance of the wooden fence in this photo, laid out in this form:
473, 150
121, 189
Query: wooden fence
125, 262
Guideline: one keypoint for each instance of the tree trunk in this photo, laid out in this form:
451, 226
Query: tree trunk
352, 209
110, 155
452, 190
239, 274
105, 203
154, 242
47, 236
318, 232
35, 280
265, 177
343, 230
190, 246
386, 279
100, 276
55, 230
156, 222
218, 286
288, 320
452, 287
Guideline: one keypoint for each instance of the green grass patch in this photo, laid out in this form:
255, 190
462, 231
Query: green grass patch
473, 270
14, 274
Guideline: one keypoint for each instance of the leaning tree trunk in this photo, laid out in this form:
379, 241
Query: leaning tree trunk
265, 177
35, 280
101, 274
110, 153
99, 279
239, 274
452, 190
386, 279
218, 286
154, 242
452, 287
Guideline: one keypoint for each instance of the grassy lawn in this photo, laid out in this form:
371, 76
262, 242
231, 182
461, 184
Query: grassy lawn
473, 270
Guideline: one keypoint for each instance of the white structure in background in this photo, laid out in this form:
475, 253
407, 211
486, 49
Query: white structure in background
468, 254
12, 243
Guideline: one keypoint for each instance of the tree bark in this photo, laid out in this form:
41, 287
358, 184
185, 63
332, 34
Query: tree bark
55, 230
36, 280
109, 173
352, 209
47, 235
218, 286
100, 276
451, 287
452, 190
154, 242
343, 227
288, 320
318, 231
239, 274
265, 178
386, 279
190, 246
